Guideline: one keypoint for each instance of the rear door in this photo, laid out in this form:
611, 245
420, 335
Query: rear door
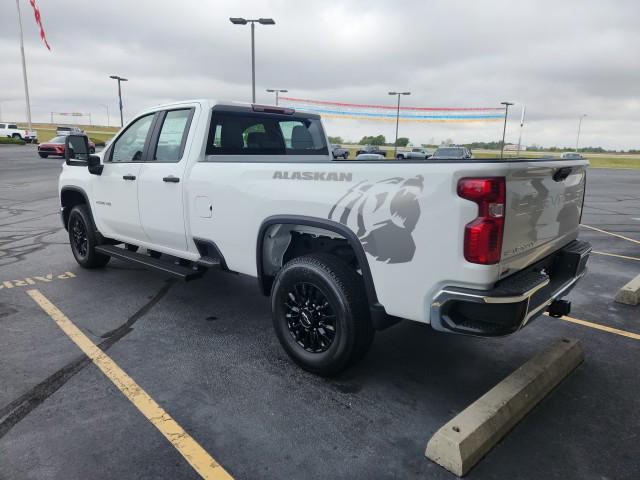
543, 210
162, 180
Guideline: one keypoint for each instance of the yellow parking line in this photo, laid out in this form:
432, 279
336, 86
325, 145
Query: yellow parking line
604, 328
193, 453
610, 233
616, 255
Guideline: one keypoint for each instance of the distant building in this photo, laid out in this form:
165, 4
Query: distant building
512, 147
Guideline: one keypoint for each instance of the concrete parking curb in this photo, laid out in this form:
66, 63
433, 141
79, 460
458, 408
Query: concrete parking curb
630, 293
462, 442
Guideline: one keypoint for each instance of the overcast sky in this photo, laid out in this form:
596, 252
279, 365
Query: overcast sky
560, 58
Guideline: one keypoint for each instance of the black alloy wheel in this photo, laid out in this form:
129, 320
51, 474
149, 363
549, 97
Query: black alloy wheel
321, 314
83, 238
310, 318
78, 231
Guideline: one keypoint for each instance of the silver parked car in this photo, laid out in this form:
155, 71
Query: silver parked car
65, 130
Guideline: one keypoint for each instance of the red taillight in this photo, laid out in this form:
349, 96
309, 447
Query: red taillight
483, 236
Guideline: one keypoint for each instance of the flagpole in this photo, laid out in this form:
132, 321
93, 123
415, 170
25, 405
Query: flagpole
24, 68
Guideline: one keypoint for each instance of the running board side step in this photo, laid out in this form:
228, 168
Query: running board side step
178, 271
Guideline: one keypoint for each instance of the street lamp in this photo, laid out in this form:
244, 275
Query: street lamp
276, 91
120, 79
504, 130
107, 107
244, 21
579, 126
395, 144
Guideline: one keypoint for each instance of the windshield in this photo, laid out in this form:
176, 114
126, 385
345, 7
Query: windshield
57, 140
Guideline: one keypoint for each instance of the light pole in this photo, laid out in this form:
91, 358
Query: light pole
504, 130
579, 126
395, 144
120, 79
244, 21
276, 91
107, 107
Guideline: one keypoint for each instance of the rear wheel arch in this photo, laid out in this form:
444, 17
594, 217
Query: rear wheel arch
266, 278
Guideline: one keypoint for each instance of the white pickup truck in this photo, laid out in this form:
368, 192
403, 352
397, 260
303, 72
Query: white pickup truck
344, 248
11, 130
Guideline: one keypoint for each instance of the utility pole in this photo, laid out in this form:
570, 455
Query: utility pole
120, 79
524, 107
395, 144
244, 21
579, 126
24, 68
276, 91
504, 130
107, 107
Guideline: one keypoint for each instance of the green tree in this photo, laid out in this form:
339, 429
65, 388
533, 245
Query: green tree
379, 140
370, 140
403, 141
337, 140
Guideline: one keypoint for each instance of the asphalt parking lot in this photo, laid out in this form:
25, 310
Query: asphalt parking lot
206, 353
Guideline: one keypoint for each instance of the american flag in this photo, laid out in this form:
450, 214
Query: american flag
36, 12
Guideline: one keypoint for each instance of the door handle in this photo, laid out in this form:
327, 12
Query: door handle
129, 177
171, 179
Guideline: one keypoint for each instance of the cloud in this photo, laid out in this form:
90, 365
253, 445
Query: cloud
561, 59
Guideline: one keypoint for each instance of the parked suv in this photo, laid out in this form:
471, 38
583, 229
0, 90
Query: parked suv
64, 130
372, 149
339, 152
452, 153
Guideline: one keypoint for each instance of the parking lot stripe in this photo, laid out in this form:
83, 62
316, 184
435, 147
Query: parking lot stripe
616, 255
597, 326
611, 233
191, 450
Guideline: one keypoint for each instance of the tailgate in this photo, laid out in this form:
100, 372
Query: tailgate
543, 209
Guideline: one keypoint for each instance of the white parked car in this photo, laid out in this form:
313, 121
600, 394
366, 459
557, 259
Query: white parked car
413, 154
11, 130
370, 156
343, 248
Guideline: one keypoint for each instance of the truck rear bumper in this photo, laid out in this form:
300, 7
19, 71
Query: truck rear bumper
515, 300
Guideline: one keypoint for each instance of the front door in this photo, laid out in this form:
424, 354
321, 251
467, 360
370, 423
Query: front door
161, 181
115, 192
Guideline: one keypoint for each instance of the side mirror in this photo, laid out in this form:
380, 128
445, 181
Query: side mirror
76, 150
95, 167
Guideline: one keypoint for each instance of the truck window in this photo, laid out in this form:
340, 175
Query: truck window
173, 136
255, 134
129, 146
1, 125
15, 127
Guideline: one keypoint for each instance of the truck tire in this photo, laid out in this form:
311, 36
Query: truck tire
400, 157
320, 313
82, 237
16, 136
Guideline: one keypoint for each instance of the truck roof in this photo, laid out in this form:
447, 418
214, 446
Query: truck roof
210, 103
